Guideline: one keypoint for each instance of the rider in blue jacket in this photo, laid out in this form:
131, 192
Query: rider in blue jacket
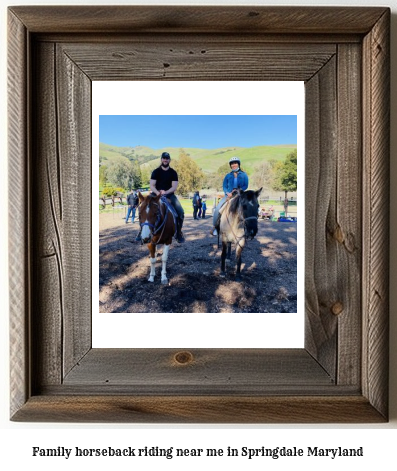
235, 179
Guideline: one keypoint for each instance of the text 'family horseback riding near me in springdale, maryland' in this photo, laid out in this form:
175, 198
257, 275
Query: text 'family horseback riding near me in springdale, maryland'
172, 452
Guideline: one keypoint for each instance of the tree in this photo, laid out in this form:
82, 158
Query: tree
137, 178
212, 180
103, 179
146, 172
121, 172
286, 174
215, 179
263, 175
223, 170
190, 176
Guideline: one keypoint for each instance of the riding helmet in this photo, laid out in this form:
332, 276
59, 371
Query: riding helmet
234, 160
165, 155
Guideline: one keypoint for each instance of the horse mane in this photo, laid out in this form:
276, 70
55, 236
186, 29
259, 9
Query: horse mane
234, 204
237, 201
149, 198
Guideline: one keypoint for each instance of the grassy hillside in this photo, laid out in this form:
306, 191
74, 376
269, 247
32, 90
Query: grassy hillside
209, 160
250, 157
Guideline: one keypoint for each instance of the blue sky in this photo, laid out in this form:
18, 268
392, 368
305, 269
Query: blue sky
205, 132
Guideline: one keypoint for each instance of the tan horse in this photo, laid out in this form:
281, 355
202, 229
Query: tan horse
239, 221
158, 227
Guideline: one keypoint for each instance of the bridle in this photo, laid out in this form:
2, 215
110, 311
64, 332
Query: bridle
245, 224
244, 221
158, 225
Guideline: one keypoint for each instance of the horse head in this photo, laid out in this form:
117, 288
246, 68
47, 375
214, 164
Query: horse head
149, 215
239, 221
248, 202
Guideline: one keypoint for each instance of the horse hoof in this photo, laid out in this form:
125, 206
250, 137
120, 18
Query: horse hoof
151, 280
164, 281
238, 278
222, 274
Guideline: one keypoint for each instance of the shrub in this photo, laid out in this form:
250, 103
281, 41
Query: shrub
112, 191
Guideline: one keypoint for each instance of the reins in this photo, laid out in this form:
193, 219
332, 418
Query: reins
155, 228
238, 239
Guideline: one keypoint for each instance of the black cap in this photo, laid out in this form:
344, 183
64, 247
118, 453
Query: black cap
165, 155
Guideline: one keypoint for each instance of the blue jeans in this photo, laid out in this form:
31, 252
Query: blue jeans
215, 214
130, 210
177, 205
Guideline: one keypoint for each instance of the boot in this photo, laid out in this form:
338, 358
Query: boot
179, 235
216, 228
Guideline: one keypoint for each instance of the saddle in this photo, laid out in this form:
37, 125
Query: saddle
227, 202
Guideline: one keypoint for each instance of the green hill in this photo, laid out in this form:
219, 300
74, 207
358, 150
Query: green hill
250, 157
209, 160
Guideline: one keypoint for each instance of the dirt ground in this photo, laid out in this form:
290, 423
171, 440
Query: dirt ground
269, 271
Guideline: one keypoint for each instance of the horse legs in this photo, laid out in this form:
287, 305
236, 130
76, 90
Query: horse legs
229, 250
152, 258
223, 259
239, 250
164, 259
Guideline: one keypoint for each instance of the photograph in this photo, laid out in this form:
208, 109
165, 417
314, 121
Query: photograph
198, 213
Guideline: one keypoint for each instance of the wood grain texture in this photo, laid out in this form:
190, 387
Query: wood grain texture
156, 38
199, 409
47, 202
199, 19
321, 264
205, 60
19, 239
346, 228
376, 90
63, 217
74, 134
341, 376
229, 370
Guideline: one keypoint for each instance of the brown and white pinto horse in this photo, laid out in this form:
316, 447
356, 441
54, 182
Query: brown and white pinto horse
239, 221
158, 227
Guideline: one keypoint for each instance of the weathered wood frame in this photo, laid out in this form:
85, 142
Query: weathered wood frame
342, 54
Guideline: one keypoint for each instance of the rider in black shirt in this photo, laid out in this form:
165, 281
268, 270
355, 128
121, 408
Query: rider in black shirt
164, 181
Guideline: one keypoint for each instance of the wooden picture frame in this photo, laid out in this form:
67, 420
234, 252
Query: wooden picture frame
342, 54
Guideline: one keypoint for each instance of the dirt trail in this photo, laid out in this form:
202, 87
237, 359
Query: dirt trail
269, 271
